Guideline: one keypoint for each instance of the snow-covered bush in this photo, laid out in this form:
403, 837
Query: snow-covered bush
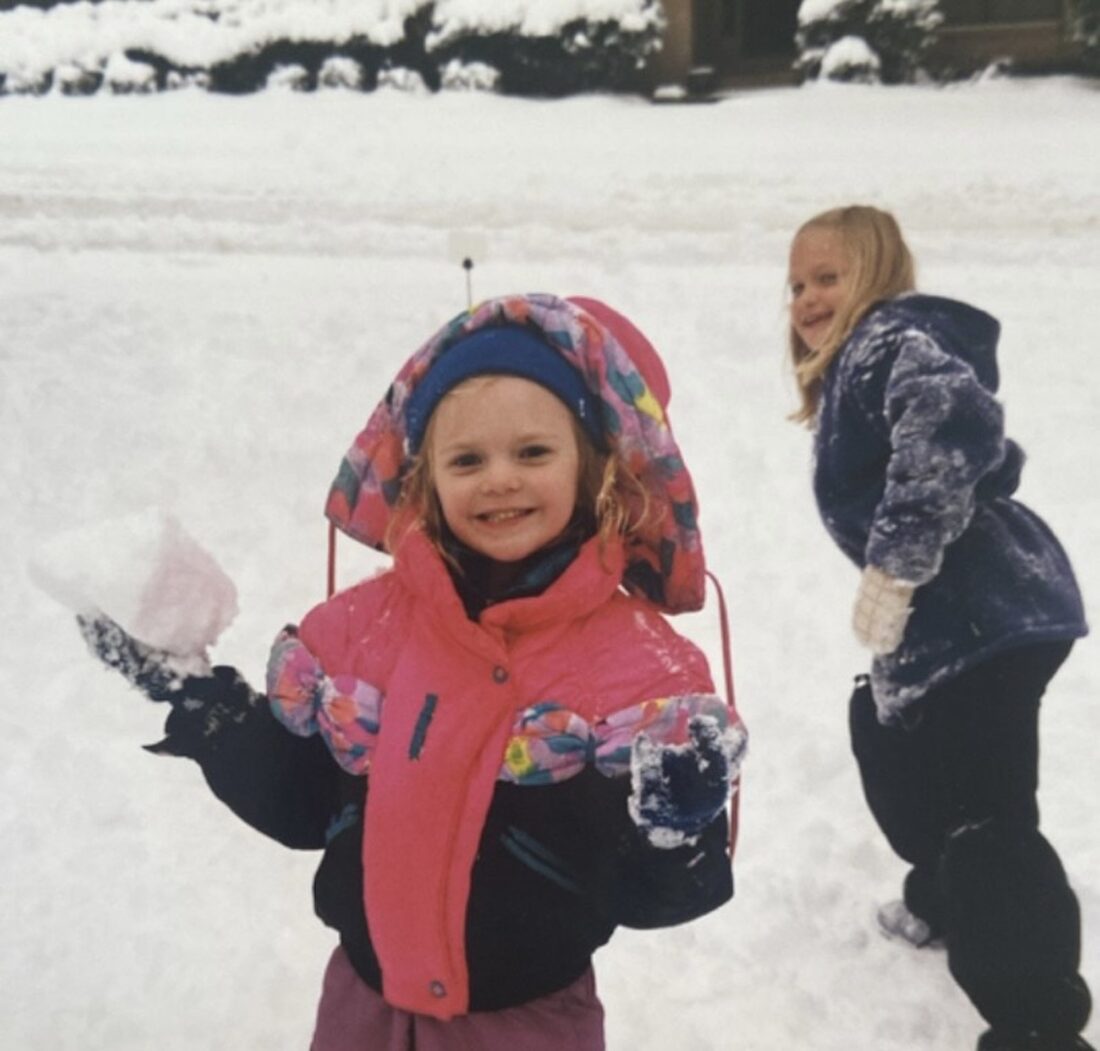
72, 79
291, 77
1085, 31
551, 49
123, 76
850, 60
24, 81
340, 71
898, 32
468, 76
177, 79
402, 79
259, 68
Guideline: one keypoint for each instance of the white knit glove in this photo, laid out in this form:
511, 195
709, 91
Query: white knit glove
881, 610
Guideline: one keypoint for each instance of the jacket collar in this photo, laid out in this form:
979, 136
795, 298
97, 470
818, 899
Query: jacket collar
589, 580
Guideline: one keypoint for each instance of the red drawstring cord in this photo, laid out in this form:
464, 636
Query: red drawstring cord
331, 580
727, 667
727, 661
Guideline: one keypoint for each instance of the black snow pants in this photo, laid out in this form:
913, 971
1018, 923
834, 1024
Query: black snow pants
954, 789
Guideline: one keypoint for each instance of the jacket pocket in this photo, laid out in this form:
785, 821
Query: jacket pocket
530, 852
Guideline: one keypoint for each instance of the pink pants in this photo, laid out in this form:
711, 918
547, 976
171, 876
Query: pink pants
353, 1017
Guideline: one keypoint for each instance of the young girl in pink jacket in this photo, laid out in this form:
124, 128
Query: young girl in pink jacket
500, 744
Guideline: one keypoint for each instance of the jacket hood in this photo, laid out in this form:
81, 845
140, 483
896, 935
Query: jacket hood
665, 564
967, 331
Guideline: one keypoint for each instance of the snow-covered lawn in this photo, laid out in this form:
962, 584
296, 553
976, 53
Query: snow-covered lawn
202, 297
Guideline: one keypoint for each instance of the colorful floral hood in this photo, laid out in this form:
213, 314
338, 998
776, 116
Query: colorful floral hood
666, 564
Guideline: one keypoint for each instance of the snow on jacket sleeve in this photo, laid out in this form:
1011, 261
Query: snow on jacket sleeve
946, 433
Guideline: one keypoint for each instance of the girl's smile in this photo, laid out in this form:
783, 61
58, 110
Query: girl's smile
505, 463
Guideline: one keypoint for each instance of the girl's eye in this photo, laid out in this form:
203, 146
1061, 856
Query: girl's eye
534, 452
464, 461
796, 291
828, 279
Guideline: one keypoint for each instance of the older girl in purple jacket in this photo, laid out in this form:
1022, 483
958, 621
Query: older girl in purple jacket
969, 605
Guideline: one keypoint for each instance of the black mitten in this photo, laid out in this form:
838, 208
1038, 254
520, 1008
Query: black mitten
679, 789
208, 706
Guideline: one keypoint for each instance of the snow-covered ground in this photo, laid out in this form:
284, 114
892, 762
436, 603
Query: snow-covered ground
202, 297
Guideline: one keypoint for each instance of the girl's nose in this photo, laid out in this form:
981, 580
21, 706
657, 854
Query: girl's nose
501, 477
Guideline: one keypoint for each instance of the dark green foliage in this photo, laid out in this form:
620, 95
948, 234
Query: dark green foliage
583, 56
159, 63
249, 71
1085, 32
412, 51
42, 5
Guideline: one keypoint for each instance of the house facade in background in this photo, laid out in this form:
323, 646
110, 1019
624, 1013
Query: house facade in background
752, 41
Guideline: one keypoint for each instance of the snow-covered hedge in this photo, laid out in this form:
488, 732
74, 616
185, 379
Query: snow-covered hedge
544, 47
551, 47
865, 40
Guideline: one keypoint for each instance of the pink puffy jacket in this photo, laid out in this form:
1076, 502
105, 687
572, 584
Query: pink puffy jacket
438, 708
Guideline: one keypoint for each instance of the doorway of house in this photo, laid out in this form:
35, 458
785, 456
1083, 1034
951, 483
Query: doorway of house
768, 26
745, 40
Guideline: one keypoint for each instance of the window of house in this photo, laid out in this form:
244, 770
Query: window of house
979, 12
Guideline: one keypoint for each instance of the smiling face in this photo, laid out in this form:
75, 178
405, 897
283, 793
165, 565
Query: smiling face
504, 463
819, 284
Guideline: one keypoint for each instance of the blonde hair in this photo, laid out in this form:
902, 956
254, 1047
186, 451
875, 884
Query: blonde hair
879, 266
611, 499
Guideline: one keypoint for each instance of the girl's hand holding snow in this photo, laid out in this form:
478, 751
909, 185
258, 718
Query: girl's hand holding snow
153, 671
881, 610
679, 789
202, 704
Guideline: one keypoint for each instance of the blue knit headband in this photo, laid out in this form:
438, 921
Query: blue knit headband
509, 350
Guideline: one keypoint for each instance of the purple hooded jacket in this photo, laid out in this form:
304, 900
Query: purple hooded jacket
913, 474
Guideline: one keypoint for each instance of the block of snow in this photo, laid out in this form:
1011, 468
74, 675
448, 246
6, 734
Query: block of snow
145, 572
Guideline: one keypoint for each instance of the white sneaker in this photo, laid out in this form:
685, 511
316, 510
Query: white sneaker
896, 921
